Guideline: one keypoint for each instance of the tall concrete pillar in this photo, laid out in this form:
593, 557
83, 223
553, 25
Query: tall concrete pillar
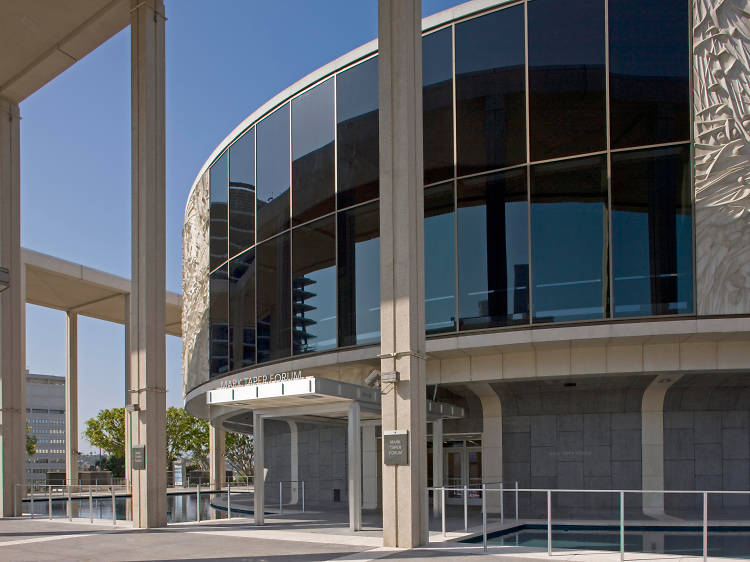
12, 315
492, 441
147, 336
437, 464
217, 455
130, 397
71, 398
402, 340
294, 461
652, 442
354, 468
259, 470
369, 467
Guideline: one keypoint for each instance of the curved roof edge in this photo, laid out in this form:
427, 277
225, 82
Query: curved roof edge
436, 20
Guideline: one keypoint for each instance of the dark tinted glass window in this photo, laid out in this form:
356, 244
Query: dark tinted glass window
357, 133
359, 275
437, 105
649, 71
217, 177
314, 285
493, 250
439, 258
273, 173
566, 77
652, 232
242, 193
568, 228
274, 299
490, 91
218, 325
312, 153
242, 310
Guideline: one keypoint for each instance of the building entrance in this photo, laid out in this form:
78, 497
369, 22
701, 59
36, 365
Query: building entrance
463, 467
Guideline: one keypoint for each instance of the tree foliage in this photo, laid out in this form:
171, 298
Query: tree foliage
186, 436
240, 453
30, 442
107, 431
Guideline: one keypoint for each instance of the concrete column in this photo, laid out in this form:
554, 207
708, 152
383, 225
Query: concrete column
294, 461
129, 397
147, 336
354, 468
492, 441
259, 503
217, 454
369, 467
652, 442
402, 328
71, 398
12, 315
437, 463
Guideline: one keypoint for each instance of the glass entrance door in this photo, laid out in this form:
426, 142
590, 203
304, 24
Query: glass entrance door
462, 467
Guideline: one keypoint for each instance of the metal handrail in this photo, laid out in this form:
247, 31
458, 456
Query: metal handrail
548, 492
67, 493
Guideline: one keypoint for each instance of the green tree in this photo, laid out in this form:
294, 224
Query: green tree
240, 452
107, 431
30, 442
186, 435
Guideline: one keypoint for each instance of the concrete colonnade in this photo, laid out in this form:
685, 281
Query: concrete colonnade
71, 398
12, 315
217, 468
402, 339
369, 466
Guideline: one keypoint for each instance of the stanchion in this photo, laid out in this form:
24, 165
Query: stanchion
91, 506
229, 500
516, 500
281, 505
31, 496
49, 501
442, 507
15, 501
622, 525
484, 517
705, 526
303, 496
198, 502
114, 511
466, 508
549, 522
70, 506
502, 507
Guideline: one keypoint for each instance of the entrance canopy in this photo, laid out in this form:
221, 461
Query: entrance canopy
312, 396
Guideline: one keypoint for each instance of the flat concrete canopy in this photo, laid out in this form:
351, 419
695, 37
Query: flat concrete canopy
56, 283
39, 39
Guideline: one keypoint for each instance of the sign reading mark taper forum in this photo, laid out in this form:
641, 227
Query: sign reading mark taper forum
263, 379
138, 457
396, 447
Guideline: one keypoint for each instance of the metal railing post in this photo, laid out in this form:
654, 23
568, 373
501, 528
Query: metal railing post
281, 503
229, 500
484, 517
198, 502
442, 507
622, 525
427, 511
49, 501
549, 522
516, 500
705, 526
91, 506
466, 507
15, 501
32, 501
70, 506
502, 507
303, 496
114, 511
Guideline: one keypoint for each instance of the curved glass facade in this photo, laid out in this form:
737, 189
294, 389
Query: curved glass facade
557, 185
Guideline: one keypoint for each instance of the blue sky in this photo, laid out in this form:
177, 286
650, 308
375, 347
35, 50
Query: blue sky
223, 59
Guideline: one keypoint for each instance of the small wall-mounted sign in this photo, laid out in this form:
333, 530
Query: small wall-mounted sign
396, 447
138, 457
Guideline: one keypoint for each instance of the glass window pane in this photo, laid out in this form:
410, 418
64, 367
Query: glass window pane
274, 299
359, 275
490, 91
439, 259
357, 133
242, 310
242, 193
493, 250
568, 227
312, 153
218, 325
649, 71
273, 173
314, 285
217, 178
437, 105
566, 77
652, 232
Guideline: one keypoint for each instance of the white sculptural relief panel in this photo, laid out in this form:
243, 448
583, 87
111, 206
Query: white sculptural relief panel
195, 287
721, 99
